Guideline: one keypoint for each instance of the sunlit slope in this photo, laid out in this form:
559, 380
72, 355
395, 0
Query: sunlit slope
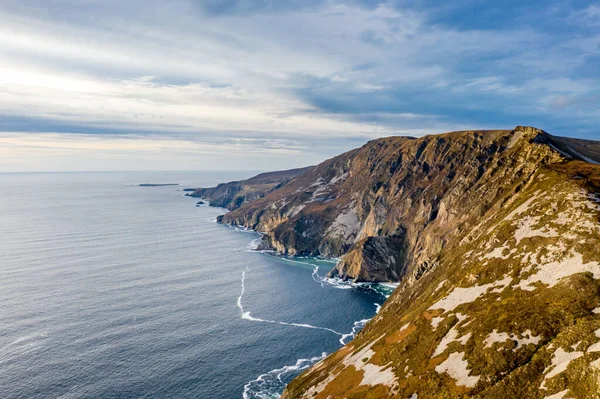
511, 308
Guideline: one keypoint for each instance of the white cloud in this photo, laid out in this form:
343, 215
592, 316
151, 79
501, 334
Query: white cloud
287, 74
63, 152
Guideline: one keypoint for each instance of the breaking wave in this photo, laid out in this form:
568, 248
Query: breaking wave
270, 384
246, 315
384, 289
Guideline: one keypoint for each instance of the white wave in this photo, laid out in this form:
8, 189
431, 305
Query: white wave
263, 251
239, 300
384, 289
243, 229
377, 307
315, 273
358, 325
330, 260
339, 283
271, 384
247, 316
390, 285
316, 277
253, 245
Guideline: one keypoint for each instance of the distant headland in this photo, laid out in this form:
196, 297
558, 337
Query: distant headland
158, 184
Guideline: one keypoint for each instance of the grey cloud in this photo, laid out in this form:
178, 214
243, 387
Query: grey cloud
309, 77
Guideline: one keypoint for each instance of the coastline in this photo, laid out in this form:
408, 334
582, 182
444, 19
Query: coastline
382, 289
334, 281
287, 372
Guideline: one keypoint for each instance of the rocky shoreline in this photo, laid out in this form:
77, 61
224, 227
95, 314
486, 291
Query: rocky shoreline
493, 236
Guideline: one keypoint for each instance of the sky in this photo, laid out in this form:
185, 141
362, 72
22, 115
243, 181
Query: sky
265, 84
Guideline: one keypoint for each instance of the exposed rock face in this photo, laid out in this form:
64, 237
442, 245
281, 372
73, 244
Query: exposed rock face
234, 194
374, 259
501, 247
495, 237
425, 190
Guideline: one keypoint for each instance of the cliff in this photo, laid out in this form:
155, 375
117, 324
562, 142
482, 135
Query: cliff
234, 194
495, 237
502, 298
390, 207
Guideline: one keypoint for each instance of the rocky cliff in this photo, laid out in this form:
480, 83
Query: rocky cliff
495, 237
499, 235
391, 207
234, 194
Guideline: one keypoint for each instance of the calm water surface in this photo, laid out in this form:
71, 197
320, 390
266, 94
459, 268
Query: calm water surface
111, 290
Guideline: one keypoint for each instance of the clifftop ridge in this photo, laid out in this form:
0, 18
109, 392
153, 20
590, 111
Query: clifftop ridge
501, 290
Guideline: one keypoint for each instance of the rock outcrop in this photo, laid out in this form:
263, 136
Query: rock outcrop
234, 194
374, 259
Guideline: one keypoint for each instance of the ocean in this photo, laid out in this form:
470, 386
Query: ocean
112, 290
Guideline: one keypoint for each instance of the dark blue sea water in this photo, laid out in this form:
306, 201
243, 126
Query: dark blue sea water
111, 290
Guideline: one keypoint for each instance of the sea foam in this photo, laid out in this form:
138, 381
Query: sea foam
270, 384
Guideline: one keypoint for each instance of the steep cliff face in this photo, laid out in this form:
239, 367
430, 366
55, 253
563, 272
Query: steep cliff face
495, 237
390, 207
234, 194
508, 305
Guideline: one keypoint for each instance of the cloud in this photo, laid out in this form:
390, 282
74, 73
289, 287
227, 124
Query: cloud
68, 151
223, 7
312, 73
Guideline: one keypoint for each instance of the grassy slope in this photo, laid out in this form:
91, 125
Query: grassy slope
559, 221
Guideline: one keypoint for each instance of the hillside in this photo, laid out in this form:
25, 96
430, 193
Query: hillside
511, 311
494, 236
